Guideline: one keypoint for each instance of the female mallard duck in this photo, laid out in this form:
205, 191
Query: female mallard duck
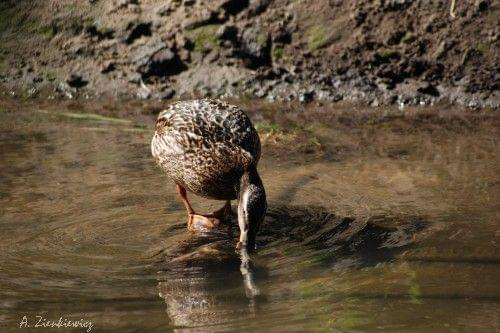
212, 149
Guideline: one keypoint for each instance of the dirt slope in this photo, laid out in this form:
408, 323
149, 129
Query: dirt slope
371, 52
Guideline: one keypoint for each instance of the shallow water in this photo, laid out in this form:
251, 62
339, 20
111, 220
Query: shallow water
402, 236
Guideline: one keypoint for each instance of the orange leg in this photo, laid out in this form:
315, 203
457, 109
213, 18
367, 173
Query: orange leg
199, 221
182, 193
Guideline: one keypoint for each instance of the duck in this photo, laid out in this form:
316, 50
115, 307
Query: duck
211, 149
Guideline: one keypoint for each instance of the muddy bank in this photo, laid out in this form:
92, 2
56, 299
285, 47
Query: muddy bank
372, 53
301, 133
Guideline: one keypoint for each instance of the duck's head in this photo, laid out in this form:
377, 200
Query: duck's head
252, 207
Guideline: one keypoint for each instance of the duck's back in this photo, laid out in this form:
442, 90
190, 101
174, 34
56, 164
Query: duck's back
205, 145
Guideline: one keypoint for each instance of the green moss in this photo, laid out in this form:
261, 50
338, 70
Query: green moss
262, 39
408, 38
19, 20
50, 76
414, 290
276, 52
3, 62
386, 53
314, 141
267, 128
350, 320
15, 21
204, 38
271, 132
47, 31
94, 117
482, 48
5, 16
317, 37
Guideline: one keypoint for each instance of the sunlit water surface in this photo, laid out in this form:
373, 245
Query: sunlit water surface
402, 242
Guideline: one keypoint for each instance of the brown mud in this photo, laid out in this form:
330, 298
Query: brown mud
410, 52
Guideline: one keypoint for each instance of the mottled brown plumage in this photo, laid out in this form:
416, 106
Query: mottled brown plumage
205, 145
211, 148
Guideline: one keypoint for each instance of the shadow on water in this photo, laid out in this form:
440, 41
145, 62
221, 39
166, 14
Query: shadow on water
204, 280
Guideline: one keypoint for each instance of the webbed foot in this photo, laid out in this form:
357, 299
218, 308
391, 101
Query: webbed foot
202, 223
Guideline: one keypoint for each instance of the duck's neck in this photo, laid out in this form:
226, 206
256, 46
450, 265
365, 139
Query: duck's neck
252, 206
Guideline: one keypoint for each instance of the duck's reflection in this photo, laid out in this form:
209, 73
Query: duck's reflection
251, 289
205, 282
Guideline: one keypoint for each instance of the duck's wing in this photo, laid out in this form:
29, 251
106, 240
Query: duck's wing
208, 125
208, 132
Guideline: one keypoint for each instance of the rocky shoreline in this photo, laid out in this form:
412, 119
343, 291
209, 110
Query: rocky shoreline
374, 53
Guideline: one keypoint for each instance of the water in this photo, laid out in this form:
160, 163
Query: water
389, 225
